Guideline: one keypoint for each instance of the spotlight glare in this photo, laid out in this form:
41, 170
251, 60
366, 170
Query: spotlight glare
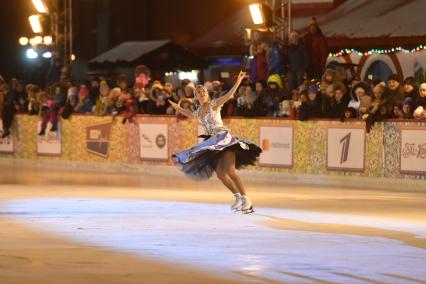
40, 6
35, 23
31, 53
256, 14
47, 54
23, 40
47, 40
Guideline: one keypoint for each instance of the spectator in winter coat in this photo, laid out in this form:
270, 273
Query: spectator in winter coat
33, 107
339, 102
258, 65
84, 104
421, 98
8, 111
273, 58
364, 107
407, 108
379, 98
274, 94
311, 108
317, 49
297, 59
129, 110
410, 89
103, 102
396, 96
358, 91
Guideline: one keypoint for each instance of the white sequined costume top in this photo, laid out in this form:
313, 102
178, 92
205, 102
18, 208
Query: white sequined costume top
211, 120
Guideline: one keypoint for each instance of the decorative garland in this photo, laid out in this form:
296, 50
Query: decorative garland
377, 51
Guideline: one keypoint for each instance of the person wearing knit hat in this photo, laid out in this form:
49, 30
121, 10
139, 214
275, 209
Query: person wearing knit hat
364, 107
311, 108
379, 97
358, 91
410, 89
396, 91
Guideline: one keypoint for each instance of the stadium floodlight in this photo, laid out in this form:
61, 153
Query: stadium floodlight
23, 40
256, 13
261, 14
38, 40
31, 53
35, 22
47, 40
40, 6
47, 54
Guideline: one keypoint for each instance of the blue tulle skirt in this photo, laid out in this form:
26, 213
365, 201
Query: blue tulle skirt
199, 162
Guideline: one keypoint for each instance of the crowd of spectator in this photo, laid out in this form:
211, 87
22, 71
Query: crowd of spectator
291, 85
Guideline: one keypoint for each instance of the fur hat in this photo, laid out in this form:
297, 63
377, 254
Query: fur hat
409, 81
393, 77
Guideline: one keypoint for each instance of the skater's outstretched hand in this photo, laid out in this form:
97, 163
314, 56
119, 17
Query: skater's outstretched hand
181, 110
221, 100
241, 76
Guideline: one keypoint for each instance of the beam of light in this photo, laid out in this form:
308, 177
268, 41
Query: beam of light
40, 6
31, 53
256, 13
35, 23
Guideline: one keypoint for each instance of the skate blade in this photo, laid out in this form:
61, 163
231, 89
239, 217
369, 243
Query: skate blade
248, 211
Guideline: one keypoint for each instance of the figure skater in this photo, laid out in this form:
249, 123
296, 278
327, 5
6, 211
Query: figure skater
220, 152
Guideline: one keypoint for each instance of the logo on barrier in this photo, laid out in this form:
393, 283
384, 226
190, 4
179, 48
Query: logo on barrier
277, 146
98, 138
413, 151
345, 149
153, 139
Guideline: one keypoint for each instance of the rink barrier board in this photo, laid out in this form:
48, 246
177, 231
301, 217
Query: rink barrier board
382, 151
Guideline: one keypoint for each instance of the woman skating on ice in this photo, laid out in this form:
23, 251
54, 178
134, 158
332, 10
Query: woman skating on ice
220, 152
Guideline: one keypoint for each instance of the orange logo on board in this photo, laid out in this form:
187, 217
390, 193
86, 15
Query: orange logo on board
266, 144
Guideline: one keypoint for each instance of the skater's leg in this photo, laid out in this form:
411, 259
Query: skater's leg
224, 177
229, 165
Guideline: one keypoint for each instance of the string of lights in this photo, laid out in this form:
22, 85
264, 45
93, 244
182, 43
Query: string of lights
377, 51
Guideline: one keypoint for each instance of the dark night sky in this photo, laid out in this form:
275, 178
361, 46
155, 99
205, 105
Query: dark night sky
180, 20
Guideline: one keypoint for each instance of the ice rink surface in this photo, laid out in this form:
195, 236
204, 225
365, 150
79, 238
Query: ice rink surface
296, 235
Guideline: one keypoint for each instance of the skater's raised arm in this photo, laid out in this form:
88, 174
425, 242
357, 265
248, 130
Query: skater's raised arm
181, 110
223, 99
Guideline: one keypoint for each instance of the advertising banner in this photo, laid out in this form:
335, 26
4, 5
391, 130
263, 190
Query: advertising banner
413, 150
153, 140
345, 149
277, 145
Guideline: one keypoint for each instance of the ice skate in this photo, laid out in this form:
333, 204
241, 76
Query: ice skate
247, 205
238, 203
